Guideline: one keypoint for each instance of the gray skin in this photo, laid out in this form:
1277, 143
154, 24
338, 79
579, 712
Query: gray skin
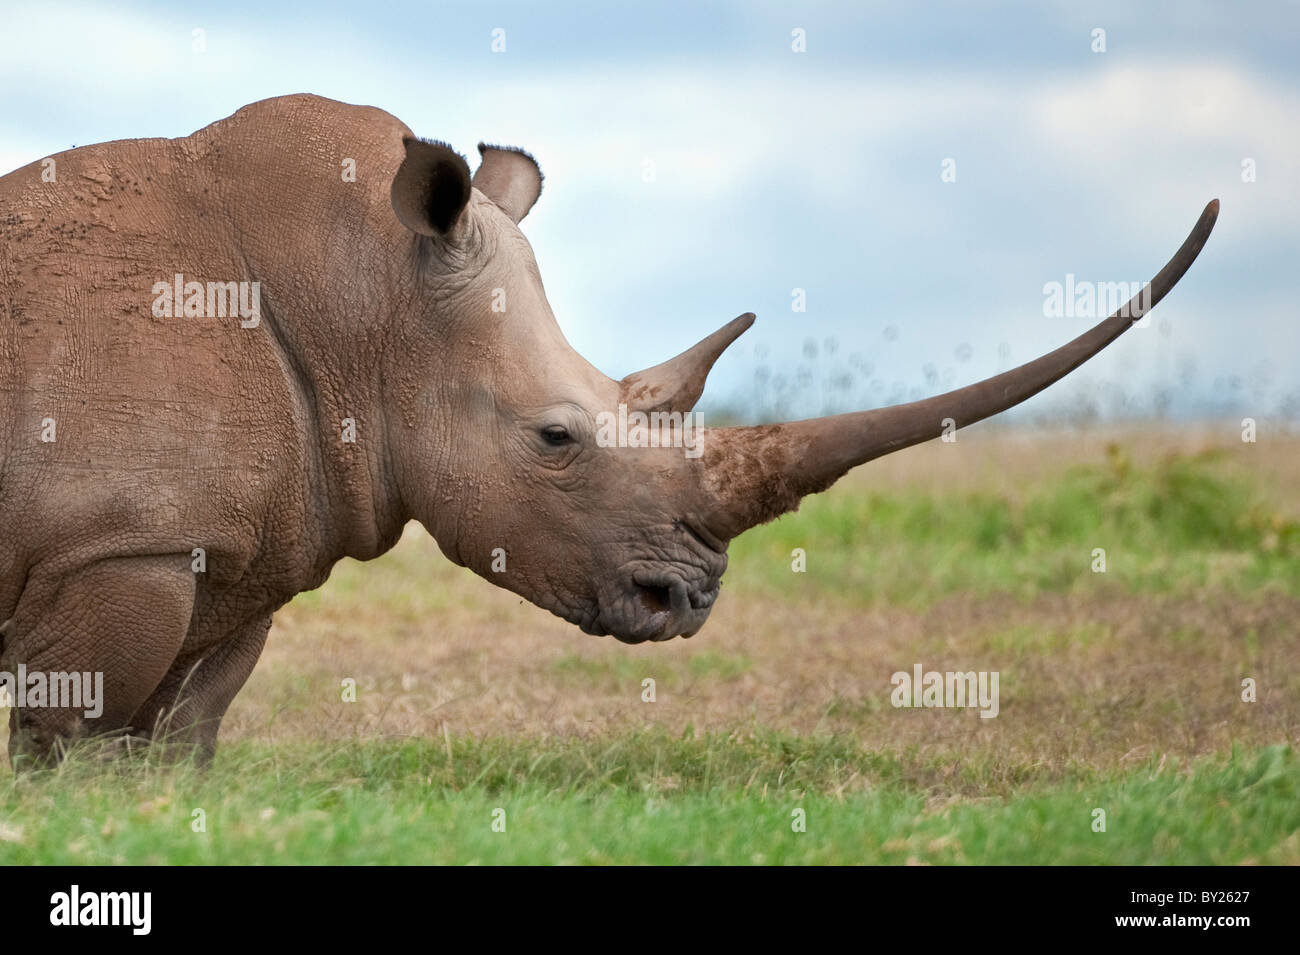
377, 305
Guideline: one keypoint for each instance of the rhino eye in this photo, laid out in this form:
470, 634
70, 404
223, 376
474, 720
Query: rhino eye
556, 435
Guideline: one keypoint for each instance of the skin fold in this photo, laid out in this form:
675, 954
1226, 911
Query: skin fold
168, 482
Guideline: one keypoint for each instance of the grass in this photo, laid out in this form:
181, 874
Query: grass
645, 798
1183, 523
1120, 691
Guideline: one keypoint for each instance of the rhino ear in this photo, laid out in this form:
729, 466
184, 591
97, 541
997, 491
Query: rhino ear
431, 188
510, 178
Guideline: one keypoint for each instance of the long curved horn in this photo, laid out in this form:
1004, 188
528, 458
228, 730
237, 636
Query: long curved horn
752, 475
678, 383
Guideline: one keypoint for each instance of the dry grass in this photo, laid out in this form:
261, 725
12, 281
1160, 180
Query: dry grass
1097, 678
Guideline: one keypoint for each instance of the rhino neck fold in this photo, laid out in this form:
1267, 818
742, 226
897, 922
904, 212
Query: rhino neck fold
344, 445
316, 248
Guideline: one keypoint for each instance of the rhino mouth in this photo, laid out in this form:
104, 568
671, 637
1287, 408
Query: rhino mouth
657, 599
657, 604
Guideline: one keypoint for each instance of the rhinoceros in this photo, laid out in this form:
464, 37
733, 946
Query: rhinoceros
228, 361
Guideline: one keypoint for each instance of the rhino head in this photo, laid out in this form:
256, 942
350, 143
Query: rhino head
538, 472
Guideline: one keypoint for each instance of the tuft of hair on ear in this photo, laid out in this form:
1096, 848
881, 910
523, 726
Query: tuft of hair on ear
541, 176
442, 145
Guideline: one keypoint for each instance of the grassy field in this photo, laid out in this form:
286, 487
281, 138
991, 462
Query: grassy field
1119, 691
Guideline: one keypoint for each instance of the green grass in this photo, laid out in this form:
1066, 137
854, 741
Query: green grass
645, 798
1186, 523
630, 669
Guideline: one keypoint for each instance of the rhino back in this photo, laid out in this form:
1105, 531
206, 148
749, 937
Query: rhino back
121, 430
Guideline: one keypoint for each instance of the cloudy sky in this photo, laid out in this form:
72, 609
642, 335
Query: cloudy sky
698, 167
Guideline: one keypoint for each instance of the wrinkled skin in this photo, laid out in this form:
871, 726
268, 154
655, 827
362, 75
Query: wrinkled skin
377, 303
580, 524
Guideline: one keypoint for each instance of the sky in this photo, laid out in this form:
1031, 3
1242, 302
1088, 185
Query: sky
919, 171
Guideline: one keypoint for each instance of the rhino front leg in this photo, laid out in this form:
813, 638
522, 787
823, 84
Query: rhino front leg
123, 618
184, 713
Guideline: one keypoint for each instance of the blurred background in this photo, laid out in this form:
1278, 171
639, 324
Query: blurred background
707, 159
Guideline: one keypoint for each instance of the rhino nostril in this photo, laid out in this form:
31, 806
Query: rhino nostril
655, 599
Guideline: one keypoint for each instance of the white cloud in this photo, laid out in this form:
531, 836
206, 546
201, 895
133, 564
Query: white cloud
1160, 134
